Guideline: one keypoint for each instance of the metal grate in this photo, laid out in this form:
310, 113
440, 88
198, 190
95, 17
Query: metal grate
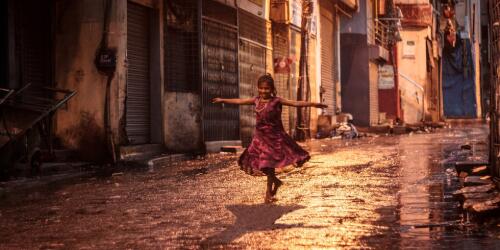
252, 65
182, 51
295, 38
252, 27
220, 79
282, 80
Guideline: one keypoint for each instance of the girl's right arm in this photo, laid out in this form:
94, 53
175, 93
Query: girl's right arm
238, 101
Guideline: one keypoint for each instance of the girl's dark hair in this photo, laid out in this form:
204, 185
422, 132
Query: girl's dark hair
269, 79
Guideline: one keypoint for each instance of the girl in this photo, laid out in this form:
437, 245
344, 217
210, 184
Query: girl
271, 146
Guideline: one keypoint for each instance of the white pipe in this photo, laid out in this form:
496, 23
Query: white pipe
411, 81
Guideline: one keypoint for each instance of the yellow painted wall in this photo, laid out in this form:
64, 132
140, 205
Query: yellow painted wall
415, 68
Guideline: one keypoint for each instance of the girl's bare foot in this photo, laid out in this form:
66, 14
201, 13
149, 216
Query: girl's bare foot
269, 198
277, 184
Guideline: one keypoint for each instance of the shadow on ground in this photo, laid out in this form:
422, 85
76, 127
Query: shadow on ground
252, 218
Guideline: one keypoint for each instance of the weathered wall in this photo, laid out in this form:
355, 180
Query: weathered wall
313, 83
358, 23
415, 68
80, 125
355, 77
182, 122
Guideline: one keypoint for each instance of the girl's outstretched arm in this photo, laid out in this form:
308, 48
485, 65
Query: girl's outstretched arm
238, 101
302, 103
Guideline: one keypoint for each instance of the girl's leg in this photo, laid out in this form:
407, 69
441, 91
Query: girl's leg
277, 183
270, 181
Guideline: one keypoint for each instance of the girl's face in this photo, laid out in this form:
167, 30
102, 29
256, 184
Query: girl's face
265, 90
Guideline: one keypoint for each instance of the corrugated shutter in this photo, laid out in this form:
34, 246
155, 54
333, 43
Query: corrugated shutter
252, 27
252, 65
329, 66
282, 80
295, 43
373, 91
138, 107
220, 79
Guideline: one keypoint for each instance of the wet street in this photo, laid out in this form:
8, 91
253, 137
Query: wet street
385, 192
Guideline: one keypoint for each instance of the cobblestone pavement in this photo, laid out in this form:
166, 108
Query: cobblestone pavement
372, 193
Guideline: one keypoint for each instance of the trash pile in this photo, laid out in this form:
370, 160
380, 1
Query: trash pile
478, 195
344, 129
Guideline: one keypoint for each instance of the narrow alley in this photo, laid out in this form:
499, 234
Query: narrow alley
372, 193
127, 124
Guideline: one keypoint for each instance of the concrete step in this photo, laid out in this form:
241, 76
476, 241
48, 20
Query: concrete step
166, 159
216, 146
140, 152
468, 166
232, 149
480, 171
474, 189
489, 205
477, 181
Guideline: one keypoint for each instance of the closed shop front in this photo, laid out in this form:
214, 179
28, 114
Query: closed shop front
329, 67
282, 79
252, 64
138, 105
220, 71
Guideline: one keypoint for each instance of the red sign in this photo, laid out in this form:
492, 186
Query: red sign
282, 65
416, 15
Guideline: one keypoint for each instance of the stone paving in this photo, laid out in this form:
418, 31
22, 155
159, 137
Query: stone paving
373, 193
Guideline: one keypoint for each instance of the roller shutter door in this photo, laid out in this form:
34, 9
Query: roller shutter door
138, 107
328, 62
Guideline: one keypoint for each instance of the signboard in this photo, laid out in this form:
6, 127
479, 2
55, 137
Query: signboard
409, 49
416, 15
386, 77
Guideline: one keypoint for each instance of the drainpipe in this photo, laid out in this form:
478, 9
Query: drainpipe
105, 62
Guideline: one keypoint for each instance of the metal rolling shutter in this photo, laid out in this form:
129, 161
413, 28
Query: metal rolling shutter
32, 35
252, 65
220, 78
282, 80
328, 62
373, 91
138, 107
295, 43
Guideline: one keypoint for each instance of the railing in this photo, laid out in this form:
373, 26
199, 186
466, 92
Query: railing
378, 33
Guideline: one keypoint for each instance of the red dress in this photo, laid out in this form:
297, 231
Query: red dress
271, 146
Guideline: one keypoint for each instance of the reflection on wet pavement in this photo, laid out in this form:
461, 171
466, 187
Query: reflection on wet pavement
372, 193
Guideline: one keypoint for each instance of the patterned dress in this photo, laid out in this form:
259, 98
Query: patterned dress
271, 146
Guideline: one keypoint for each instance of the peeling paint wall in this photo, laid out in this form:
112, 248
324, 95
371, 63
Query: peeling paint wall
413, 66
182, 122
79, 25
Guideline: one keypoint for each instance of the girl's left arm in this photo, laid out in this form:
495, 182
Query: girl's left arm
302, 103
